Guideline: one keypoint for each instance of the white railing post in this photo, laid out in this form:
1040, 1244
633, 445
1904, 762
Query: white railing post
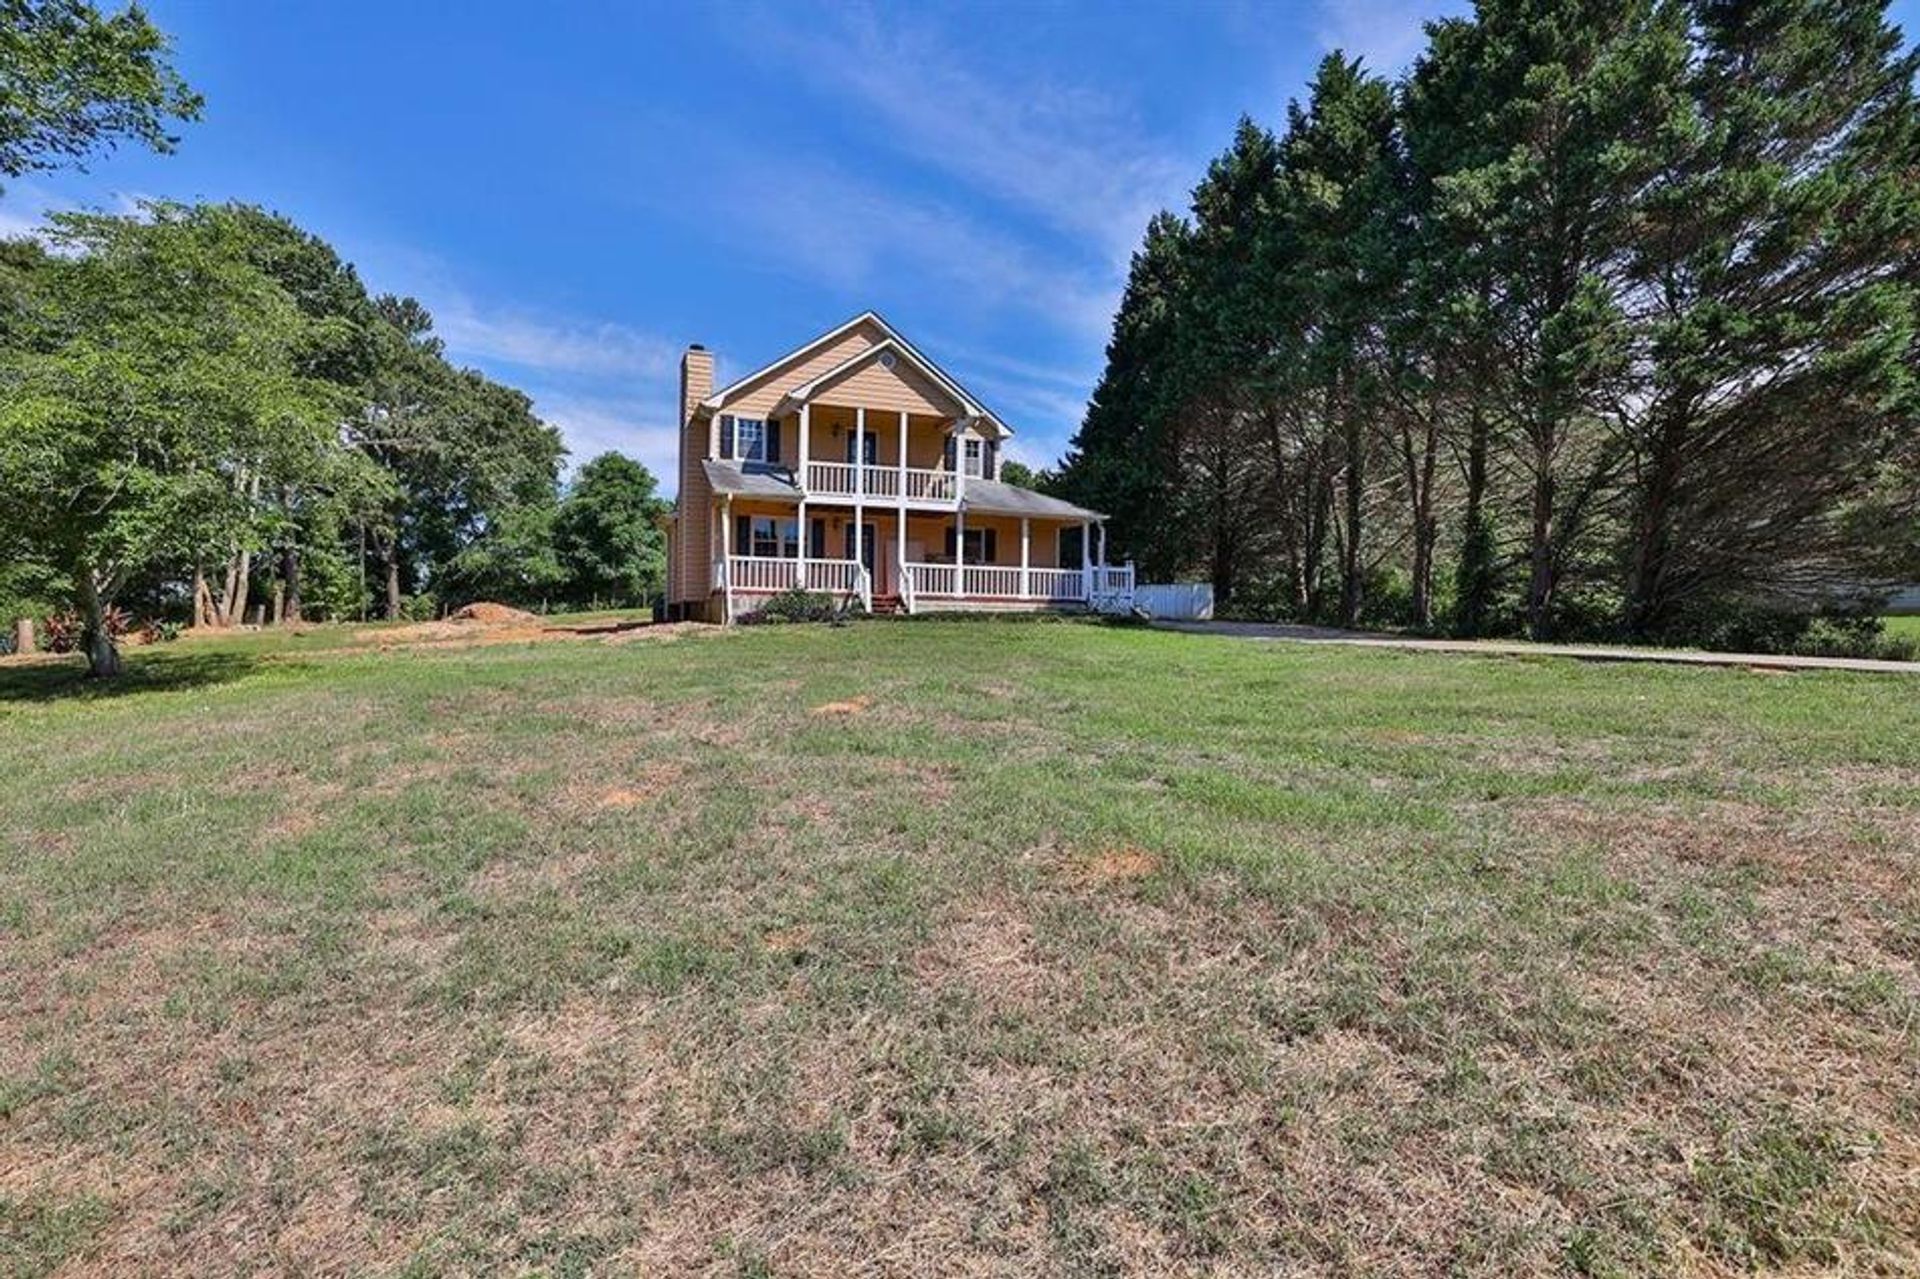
1086, 562
1026, 546
806, 444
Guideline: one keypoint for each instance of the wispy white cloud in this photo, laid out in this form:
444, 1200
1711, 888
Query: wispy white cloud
1078, 157
810, 218
594, 424
546, 343
1385, 34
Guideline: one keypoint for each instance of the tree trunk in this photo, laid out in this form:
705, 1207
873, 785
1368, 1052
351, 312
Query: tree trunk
290, 578
1419, 458
241, 575
1646, 606
1476, 539
103, 658
202, 597
390, 558
1351, 586
1540, 552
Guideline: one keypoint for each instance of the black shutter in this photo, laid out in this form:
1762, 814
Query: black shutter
991, 470
773, 440
742, 535
726, 435
950, 554
850, 456
990, 553
946, 454
817, 539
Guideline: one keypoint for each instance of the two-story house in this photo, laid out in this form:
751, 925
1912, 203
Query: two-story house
853, 465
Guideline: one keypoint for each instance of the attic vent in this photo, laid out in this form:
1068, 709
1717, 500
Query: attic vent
887, 359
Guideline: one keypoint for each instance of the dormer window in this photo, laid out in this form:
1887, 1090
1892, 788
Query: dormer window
976, 459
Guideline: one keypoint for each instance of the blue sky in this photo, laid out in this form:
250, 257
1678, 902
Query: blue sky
577, 191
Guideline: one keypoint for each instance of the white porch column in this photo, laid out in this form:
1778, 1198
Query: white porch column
859, 481
726, 560
1086, 561
806, 441
960, 549
1026, 554
959, 464
900, 507
800, 531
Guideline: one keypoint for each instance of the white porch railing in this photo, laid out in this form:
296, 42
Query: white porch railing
1111, 586
932, 579
836, 577
929, 486
1056, 583
1113, 579
844, 479
762, 573
830, 477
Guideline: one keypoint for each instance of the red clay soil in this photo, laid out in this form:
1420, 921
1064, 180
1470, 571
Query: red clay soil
492, 614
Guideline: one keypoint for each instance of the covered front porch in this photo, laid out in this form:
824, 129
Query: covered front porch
893, 561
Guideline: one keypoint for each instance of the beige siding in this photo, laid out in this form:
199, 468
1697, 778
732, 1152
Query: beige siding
758, 398
888, 390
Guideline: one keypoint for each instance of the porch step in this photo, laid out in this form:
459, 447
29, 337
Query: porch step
887, 604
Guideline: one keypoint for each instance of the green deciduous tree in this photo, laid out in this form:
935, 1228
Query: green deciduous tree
151, 393
74, 80
608, 536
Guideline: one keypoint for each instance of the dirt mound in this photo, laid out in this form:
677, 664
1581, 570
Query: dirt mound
492, 614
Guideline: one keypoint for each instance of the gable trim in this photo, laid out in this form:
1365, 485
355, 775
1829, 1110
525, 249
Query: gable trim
845, 368
891, 337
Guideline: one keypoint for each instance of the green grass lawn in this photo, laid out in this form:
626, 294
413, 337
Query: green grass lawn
953, 947
1908, 627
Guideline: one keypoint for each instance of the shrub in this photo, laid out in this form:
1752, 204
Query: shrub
423, 607
1757, 628
160, 631
62, 631
793, 605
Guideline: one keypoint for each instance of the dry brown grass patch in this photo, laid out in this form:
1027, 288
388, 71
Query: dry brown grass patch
851, 706
1127, 862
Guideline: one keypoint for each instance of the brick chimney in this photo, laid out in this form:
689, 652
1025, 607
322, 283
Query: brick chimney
696, 379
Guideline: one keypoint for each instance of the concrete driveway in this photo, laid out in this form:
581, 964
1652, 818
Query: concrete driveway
1288, 633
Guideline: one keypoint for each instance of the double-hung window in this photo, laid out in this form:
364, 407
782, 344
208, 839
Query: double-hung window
976, 459
766, 537
749, 439
982, 546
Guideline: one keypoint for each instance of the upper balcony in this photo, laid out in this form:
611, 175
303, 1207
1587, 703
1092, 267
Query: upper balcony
888, 457
918, 484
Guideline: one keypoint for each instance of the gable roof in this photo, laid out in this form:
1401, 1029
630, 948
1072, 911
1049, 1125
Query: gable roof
891, 340
884, 346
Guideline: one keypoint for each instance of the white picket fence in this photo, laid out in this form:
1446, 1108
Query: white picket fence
1185, 601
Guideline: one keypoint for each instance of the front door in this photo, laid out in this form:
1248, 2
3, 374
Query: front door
876, 564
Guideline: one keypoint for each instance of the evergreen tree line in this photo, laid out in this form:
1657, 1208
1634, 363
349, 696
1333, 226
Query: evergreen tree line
1599, 321
206, 416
